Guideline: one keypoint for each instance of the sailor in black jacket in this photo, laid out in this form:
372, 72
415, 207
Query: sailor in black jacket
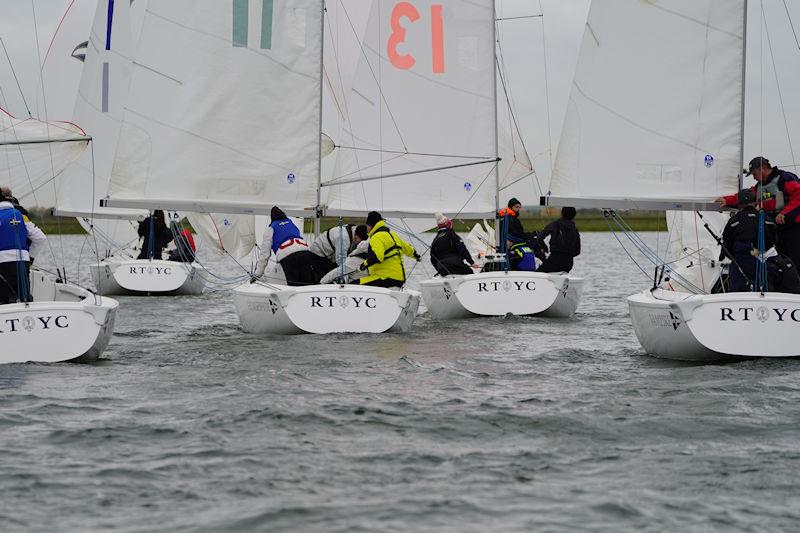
449, 254
565, 242
740, 239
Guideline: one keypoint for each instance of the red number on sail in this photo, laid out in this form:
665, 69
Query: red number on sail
398, 36
401, 61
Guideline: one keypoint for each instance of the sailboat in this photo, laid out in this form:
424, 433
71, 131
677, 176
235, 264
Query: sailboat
104, 65
656, 120
64, 322
501, 292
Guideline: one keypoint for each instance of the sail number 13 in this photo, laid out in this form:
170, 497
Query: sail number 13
408, 11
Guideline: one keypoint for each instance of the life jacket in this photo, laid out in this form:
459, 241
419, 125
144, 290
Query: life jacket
349, 229
391, 266
769, 191
13, 233
506, 212
186, 234
284, 233
527, 258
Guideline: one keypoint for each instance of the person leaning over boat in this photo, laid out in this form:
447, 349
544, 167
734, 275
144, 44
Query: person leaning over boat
332, 245
19, 240
184, 245
740, 242
520, 255
156, 235
565, 242
779, 194
285, 240
354, 259
385, 256
782, 275
449, 254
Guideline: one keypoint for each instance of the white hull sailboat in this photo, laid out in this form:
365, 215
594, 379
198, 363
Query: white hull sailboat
63, 323
502, 293
709, 327
116, 276
620, 151
283, 310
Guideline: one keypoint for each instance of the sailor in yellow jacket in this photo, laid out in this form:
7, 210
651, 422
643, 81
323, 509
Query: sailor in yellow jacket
385, 256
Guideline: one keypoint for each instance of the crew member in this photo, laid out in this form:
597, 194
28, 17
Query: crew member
156, 235
351, 272
520, 255
333, 245
509, 220
778, 191
385, 256
565, 242
449, 254
740, 242
184, 247
285, 240
782, 275
6, 195
19, 241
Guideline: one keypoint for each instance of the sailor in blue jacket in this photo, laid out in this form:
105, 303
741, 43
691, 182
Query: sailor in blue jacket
19, 241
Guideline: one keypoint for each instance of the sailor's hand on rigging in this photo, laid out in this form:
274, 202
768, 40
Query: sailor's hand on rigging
721, 201
417, 256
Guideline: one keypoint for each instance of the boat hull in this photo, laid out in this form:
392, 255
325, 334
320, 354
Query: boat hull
63, 323
283, 310
502, 293
713, 327
143, 277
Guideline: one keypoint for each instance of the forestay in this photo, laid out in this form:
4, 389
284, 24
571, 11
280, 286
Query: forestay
422, 98
224, 105
655, 109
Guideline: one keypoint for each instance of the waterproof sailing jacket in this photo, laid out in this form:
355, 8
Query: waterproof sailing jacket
334, 243
782, 275
521, 257
385, 257
448, 252
564, 238
351, 264
780, 194
161, 238
741, 233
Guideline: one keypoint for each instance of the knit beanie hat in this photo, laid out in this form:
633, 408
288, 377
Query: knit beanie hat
513, 202
442, 221
373, 218
276, 213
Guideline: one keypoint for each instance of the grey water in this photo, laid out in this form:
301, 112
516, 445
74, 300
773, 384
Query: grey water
504, 424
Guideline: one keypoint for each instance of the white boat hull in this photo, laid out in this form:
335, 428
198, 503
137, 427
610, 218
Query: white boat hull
284, 310
143, 277
502, 293
712, 327
63, 323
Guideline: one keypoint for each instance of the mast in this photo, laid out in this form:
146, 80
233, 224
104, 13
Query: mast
744, 84
318, 209
496, 134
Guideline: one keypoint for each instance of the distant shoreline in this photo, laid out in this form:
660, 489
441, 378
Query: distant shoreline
587, 221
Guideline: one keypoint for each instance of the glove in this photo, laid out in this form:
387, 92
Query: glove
363, 266
417, 256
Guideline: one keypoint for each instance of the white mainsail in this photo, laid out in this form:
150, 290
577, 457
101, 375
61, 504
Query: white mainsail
422, 98
223, 106
658, 119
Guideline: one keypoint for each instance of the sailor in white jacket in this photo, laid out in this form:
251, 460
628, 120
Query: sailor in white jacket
285, 240
353, 260
20, 240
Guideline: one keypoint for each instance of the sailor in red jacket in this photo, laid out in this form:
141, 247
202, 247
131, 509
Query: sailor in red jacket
778, 192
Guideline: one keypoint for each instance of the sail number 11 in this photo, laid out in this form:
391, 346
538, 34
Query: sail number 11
406, 61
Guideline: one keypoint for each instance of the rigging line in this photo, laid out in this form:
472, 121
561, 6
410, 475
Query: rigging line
16, 79
40, 64
334, 182
518, 18
376, 79
406, 152
791, 24
546, 95
778, 85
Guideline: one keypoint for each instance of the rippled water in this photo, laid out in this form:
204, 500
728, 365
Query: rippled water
507, 424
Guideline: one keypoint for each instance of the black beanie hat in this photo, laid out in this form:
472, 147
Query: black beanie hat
568, 213
373, 218
277, 214
361, 231
513, 202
